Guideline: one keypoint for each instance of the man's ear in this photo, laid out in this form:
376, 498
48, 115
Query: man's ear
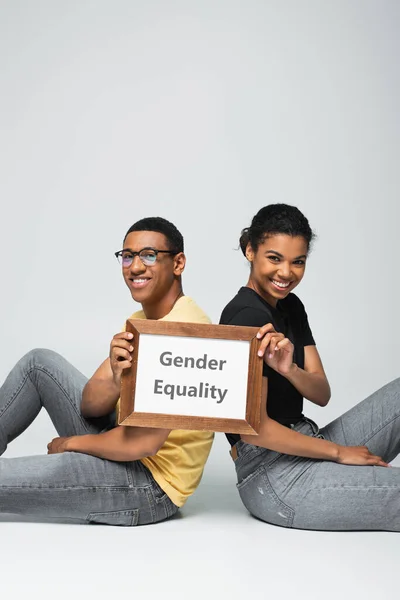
179, 263
249, 253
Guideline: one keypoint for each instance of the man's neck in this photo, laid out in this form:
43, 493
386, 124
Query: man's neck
162, 308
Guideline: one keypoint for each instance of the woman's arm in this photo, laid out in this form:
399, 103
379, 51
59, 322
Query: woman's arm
277, 352
279, 438
123, 443
311, 381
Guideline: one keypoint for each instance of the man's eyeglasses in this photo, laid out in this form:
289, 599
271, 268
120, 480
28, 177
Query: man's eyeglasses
148, 256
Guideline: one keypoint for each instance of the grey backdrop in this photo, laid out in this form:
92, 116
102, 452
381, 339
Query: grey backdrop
201, 112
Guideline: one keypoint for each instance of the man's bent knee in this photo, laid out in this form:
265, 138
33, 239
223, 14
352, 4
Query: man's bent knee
42, 357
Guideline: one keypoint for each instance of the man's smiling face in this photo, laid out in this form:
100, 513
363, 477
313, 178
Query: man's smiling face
149, 284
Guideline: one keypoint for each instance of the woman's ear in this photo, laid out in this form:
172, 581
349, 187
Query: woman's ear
249, 253
179, 263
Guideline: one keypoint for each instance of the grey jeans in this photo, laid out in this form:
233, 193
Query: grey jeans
314, 494
72, 486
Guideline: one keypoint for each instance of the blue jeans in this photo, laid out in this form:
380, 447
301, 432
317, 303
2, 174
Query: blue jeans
74, 486
304, 493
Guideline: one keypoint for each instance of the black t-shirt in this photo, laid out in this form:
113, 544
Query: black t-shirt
285, 403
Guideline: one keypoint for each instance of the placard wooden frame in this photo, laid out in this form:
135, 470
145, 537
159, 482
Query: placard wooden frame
249, 425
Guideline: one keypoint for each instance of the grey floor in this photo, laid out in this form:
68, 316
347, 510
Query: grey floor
214, 549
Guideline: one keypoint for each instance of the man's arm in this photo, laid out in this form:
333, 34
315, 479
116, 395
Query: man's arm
102, 391
122, 443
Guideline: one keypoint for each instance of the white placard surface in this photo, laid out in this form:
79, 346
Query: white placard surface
179, 375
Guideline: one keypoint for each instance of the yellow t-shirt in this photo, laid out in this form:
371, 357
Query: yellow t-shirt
178, 465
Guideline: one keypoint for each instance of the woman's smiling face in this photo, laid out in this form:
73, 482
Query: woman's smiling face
277, 266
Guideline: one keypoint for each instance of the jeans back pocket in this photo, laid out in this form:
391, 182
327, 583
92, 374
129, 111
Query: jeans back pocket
261, 500
116, 517
165, 508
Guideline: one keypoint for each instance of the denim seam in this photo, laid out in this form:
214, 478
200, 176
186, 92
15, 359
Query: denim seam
39, 368
160, 499
170, 508
165, 503
249, 477
123, 511
382, 426
264, 462
273, 461
313, 425
356, 487
262, 470
251, 455
151, 503
6, 406
277, 499
92, 488
129, 476
344, 434
244, 454
297, 480
350, 487
133, 513
71, 402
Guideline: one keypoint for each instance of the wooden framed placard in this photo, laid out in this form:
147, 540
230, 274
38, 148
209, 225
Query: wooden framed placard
192, 376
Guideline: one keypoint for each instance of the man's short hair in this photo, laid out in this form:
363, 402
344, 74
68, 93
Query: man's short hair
173, 235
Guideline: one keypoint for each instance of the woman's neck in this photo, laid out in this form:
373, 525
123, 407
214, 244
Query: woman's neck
270, 299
